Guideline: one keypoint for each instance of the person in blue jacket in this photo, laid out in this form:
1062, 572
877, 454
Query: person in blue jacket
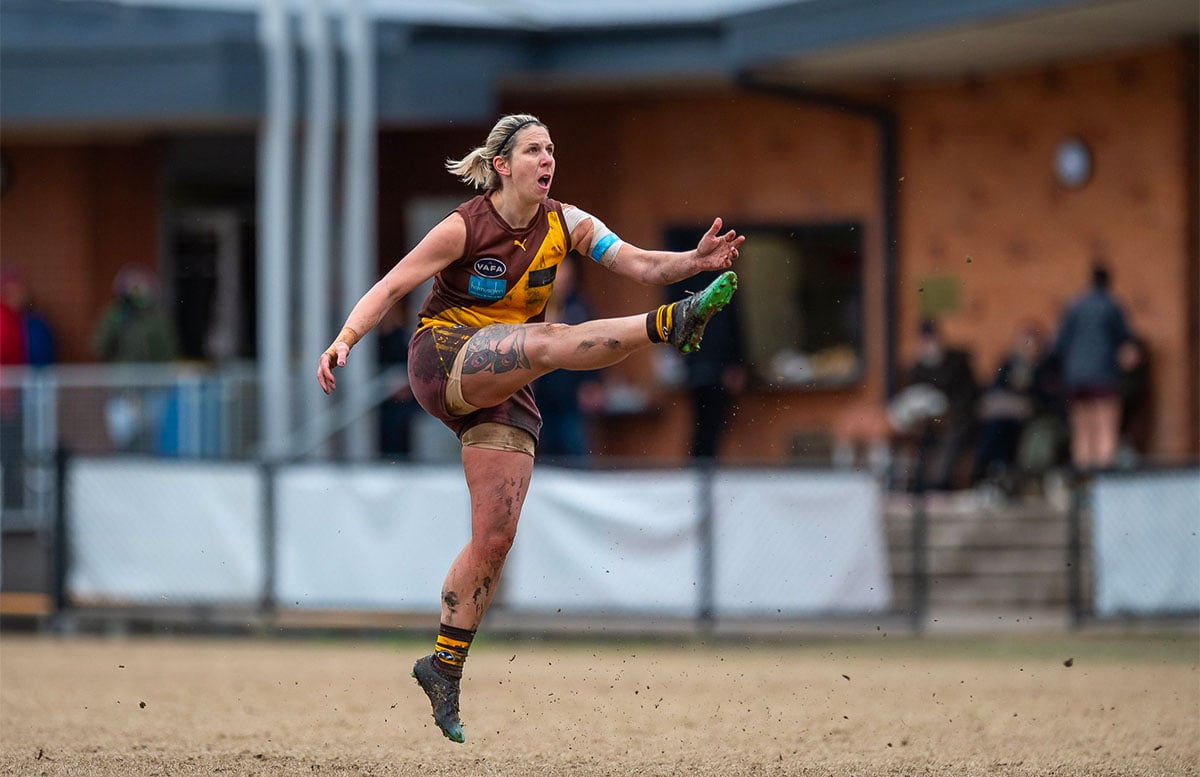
1092, 336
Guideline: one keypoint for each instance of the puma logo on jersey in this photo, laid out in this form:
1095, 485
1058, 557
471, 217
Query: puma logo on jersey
519, 244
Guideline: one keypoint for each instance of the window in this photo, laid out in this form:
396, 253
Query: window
799, 311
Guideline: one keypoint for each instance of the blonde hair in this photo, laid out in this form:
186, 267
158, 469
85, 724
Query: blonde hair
476, 167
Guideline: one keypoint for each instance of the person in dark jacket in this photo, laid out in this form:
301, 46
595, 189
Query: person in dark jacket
714, 376
1091, 334
946, 437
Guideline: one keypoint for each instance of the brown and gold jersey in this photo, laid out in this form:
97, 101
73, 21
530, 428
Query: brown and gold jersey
505, 275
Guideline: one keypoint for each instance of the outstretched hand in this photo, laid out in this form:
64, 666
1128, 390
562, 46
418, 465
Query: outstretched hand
716, 251
334, 357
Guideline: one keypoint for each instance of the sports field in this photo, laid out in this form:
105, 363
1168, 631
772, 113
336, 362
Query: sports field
885, 706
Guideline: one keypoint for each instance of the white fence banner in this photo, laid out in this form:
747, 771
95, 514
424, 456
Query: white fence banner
1146, 540
602, 542
369, 537
799, 543
165, 533
382, 537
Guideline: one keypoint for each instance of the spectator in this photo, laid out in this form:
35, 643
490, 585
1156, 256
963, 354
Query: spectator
567, 397
1091, 333
1019, 393
12, 434
134, 329
27, 340
713, 376
1137, 397
13, 346
39, 337
937, 411
397, 412
1044, 445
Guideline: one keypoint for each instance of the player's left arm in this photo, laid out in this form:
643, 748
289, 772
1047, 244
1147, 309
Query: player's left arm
593, 239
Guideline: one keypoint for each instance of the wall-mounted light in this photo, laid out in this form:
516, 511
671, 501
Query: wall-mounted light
1072, 162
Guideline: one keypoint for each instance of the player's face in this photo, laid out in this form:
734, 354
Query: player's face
532, 161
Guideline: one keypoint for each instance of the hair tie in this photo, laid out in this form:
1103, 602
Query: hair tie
512, 132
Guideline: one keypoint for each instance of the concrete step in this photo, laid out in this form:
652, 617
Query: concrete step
982, 534
998, 560
998, 590
981, 553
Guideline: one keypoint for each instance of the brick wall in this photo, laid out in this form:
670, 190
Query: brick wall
979, 208
73, 215
975, 181
980, 205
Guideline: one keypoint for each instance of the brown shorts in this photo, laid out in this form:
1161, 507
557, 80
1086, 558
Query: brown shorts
431, 355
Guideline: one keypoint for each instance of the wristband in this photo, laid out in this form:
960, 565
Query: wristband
347, 336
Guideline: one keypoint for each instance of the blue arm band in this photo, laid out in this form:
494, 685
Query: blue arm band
602, 245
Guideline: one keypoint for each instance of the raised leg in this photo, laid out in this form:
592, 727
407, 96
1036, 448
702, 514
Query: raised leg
502, 358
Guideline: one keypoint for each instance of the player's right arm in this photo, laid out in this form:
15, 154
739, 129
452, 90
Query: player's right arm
443, 244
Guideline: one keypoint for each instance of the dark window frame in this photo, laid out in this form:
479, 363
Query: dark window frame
831, 354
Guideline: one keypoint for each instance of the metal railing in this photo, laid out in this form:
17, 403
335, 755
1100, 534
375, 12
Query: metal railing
186, 411
198, 412
164, 410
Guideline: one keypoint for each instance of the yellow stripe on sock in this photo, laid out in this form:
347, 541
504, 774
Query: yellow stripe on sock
451, 643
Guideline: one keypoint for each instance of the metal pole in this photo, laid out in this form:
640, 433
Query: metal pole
889, 178
358, 236
62, 556
705, 470
270, 539
316, 307
274, 228
1079, 487
45, 437
920, 562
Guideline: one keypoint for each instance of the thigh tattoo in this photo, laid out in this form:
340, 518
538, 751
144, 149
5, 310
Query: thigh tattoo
496, 348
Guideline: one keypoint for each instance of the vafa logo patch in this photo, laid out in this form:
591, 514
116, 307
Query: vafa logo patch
490, 267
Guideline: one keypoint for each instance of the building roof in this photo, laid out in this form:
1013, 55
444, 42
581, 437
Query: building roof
83, 63
517, 14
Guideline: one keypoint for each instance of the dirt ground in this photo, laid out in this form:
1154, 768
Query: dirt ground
203, 706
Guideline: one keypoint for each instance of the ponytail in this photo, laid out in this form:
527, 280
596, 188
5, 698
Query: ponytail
476, 167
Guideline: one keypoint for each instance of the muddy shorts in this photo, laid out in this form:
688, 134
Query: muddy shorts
431, 355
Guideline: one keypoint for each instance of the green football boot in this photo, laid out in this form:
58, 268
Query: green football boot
692, 314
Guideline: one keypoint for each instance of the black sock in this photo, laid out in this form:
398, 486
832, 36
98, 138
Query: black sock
660, 322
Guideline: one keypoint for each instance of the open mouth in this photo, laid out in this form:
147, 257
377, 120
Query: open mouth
544, 181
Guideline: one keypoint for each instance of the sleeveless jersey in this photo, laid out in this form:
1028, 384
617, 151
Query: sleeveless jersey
505, 275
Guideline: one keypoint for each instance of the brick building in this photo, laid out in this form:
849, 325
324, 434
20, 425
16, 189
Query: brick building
920, 140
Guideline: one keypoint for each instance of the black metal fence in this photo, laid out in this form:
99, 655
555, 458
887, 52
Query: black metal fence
1116, 545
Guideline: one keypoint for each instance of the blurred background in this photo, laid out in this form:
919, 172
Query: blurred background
885, 426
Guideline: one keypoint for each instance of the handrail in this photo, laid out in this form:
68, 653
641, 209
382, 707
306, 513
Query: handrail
148, 374
42, 389
305, 439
